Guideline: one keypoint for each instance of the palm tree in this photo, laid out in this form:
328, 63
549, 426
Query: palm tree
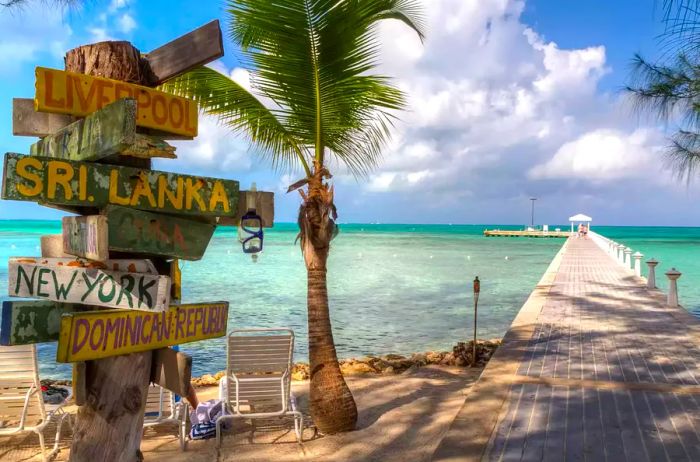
312, 61
670, 88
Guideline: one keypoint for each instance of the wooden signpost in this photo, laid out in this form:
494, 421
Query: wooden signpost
148, 233
41, 179
63, 92
86, 237
109, 132
99, 135
98, 334
89, 286
34, 321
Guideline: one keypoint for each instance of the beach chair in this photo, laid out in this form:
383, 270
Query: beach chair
258, 378
22, 407
161, 408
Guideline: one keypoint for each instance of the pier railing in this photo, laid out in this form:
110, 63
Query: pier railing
633, 263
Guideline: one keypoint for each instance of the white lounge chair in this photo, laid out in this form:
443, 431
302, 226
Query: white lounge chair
161, 408
22, 407
258, 377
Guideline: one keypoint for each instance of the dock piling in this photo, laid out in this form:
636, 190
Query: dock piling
638, 263
651, 277
673, 274
627, 260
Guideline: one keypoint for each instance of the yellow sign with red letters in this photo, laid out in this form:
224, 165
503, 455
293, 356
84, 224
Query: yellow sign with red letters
63, 92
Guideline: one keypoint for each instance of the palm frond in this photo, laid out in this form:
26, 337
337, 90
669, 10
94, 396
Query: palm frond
314, 59
237, 108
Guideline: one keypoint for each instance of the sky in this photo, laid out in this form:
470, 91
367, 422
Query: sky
508, 99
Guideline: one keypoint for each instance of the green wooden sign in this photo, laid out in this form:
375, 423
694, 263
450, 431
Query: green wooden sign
36, 321
105, 133
46, 180
136, 231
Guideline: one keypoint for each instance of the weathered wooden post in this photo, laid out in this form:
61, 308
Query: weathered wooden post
638, 263
99, 167
477, 289
651, 276
673, 274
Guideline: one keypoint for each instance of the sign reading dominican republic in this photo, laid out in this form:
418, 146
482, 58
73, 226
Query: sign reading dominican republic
88, 286
89, 184
63, 92
98, 334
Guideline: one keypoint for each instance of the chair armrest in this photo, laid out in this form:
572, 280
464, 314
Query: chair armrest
25, 408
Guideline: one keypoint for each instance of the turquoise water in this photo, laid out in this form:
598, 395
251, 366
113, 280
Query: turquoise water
393, 288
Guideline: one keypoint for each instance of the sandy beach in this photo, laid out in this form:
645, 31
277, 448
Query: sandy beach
402, 418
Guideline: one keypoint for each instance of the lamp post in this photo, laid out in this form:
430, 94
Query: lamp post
532, 213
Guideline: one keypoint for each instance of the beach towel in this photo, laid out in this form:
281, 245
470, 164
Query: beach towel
204, 418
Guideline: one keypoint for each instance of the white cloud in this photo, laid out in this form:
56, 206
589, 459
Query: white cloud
600, 155
126, 23
214, 149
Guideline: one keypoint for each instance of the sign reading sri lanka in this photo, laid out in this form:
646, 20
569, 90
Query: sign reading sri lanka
99, 334
58, 181
79, 95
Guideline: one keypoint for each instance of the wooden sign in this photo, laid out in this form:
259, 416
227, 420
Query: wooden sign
52, 246
98, 334
89, 286
172, 370
189, 51
86, 237
108, 132
27, 122
63, 92
71, 183
32, 321
121, 264
142, 232
264, 207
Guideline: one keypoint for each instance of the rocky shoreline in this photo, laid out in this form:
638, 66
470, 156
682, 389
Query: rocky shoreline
460, 356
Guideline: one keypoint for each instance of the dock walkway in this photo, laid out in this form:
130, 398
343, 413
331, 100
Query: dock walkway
594, 368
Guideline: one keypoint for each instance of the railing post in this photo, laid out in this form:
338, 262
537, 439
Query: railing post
673, 274
627, 259
618, 252
638, 264
651, 277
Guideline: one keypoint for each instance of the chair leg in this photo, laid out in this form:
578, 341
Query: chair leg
299, 426
42, 444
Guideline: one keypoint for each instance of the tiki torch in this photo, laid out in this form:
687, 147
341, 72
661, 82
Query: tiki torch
477, 288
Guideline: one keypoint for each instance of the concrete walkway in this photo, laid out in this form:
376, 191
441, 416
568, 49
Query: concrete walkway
594, 368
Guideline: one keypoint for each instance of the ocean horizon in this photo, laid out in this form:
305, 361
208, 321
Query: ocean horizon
393, 288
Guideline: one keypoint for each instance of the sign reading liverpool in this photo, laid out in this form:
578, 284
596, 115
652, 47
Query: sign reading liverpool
79, 95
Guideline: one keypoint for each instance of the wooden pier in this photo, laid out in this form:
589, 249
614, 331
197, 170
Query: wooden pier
595, 367
525, 233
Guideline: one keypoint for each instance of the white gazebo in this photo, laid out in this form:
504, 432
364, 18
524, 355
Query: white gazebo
580, 218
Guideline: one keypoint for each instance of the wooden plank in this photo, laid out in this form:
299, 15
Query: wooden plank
196, 48
172, 370
89, 286
264, 206
52, 246
32, 321
100, 334
62, 92
27, 122
118, 264
105, 133
71, 183
86, 237
148, 233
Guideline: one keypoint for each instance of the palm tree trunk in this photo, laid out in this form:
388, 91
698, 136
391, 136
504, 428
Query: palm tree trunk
332, 405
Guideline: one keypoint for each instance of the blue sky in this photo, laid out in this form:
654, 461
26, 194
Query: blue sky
509, 99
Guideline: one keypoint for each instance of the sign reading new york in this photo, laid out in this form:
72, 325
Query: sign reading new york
57, 181
64, 92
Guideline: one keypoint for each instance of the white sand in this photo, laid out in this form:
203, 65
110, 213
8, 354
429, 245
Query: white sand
401, 418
